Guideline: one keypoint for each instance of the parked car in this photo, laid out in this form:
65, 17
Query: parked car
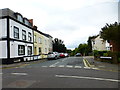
66, 54
78, 54
62, 55
53, 55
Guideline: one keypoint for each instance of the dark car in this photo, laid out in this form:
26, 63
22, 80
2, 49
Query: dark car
78, 54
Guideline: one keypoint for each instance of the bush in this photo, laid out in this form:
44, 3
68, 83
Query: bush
119, 59
96, 53
100, 53
105, 54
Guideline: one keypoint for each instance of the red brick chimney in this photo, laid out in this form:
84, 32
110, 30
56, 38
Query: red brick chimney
31, 21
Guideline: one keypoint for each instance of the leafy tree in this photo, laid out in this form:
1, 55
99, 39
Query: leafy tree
82, 48
111, 33
89, 44
58, 45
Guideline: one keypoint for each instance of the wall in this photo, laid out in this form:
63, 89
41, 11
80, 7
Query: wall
3, 28
14, 49
3, 49
21, 27
99, 44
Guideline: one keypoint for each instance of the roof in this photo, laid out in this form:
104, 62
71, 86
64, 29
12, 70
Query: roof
47, 35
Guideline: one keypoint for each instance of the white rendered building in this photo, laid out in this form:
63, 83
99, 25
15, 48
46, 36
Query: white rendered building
16, 37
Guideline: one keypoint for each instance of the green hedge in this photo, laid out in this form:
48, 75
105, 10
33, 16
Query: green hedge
115, 55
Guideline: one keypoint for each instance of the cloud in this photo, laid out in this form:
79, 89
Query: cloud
73, 21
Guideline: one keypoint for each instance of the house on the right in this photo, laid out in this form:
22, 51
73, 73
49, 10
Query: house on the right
99, 44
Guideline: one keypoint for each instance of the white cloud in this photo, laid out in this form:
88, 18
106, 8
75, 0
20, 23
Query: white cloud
70, 20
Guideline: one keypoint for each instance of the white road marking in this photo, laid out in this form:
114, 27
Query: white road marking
19, 73
95, 68
77, 67
52, 66
69, 66
44, 66
61, 66
87, 67
79, 77
64, 59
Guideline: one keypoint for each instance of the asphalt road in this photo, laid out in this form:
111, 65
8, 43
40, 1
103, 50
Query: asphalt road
61, 73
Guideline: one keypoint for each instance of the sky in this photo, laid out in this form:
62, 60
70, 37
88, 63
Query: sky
72, 21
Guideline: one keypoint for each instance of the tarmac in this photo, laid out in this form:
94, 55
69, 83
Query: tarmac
89, 60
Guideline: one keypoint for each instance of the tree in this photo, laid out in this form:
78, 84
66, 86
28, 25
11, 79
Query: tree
89, 44
111, 33
82, 48
58, 45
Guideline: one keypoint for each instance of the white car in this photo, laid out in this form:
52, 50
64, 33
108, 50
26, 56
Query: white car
66, 54
53, 55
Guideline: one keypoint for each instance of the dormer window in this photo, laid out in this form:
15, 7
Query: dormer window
19, 17
26, 21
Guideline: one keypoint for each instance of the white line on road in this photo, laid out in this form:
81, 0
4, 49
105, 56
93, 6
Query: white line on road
78, 67
64, 59
61, 66
95, 68
19, 73
87, 67
79, 77
44, 66
54, 64
69, 66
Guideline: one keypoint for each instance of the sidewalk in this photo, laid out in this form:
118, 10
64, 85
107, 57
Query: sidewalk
19, 64
102, 65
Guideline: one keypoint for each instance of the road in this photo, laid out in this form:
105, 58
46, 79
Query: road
68, 72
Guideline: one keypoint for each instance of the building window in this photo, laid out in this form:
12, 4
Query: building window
23, 34
29, 50
19, 18
26, 21
21, 50
16, 32
29, 36
40, 40
39, 50
35, 39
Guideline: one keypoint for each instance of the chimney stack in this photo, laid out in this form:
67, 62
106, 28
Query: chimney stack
31, 21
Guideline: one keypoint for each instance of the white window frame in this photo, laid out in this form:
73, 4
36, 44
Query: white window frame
21, 50
29, 36
23, 35
16, 32
29, 50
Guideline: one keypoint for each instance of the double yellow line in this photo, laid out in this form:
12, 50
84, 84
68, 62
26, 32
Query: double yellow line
86, 63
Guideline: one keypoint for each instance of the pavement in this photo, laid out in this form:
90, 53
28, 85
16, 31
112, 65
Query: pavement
20, 64
101, 65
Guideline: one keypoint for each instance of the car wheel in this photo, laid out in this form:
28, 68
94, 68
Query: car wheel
55, 58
